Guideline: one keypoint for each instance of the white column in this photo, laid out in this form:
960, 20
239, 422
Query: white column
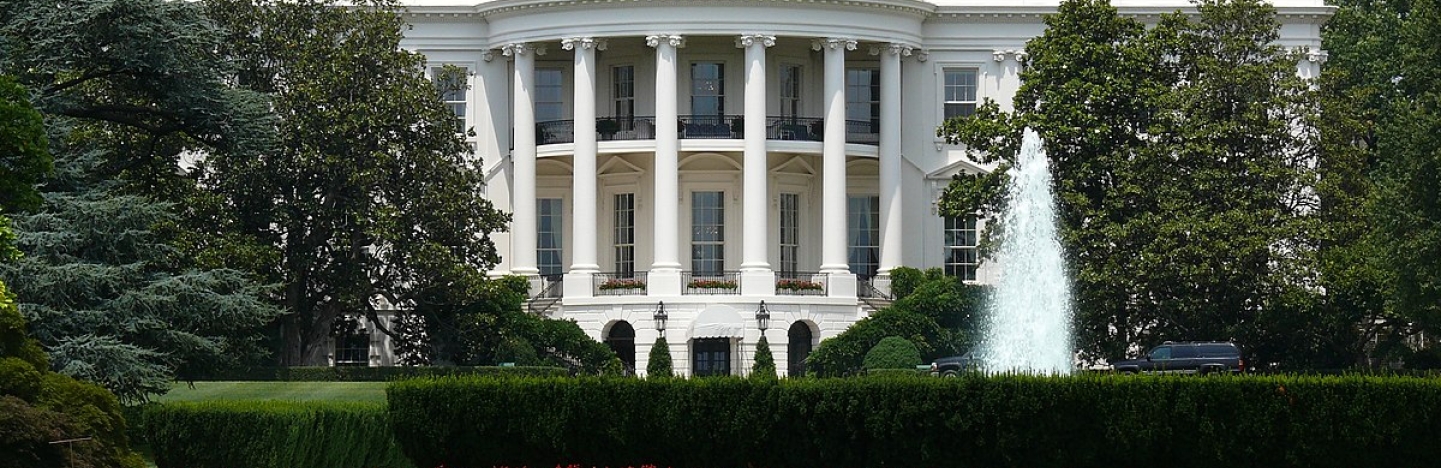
522, 203
665, 271
756, 275
890, 152
583, 176
833, 155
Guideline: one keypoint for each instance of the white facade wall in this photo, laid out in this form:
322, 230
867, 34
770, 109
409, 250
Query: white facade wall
984, 35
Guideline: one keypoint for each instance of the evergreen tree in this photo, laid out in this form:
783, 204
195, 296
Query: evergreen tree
659, 364
126, 87
765, 364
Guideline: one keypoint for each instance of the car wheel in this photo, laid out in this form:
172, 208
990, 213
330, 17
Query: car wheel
950, 374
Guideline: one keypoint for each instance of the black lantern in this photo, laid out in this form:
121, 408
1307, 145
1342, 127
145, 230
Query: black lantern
763, 317
660, 317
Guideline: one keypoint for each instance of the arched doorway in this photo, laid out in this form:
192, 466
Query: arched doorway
798, 349
621, 339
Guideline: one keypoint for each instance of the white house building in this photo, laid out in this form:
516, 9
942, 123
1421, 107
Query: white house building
723, 160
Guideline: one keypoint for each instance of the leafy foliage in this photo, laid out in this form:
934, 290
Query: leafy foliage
844, 354
24, 149
370, 194
659, 364
1182, 155
893, 352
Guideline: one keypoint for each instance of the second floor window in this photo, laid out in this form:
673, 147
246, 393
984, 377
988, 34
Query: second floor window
707, 91
863, 100
790, 90
451, 81
623, 82
961, 240
960, 92
549, 94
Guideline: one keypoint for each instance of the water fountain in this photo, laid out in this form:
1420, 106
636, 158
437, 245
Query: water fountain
1028, 323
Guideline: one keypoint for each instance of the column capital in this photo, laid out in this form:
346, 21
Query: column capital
747, 40
894, 48
517, 49
674, 40
834, 43
586, 43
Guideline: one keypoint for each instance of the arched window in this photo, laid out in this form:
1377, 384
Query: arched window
798, 349
621, 339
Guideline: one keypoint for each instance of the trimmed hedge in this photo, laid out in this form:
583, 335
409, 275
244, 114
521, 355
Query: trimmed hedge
374, 374
1089, 420
272, 434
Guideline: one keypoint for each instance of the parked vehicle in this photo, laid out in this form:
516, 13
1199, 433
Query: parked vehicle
955, 365
1187, 357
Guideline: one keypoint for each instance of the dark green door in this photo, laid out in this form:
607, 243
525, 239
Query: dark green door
711, 356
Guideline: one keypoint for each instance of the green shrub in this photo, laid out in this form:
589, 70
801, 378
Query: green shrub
765, 365
844, 354
272, 434
659, 364
893, 352
887, 373
1090, 420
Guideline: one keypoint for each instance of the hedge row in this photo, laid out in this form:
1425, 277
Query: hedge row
272, 434
973, 421
375, 374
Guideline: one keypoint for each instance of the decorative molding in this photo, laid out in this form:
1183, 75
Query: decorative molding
485, 9
674, 40
488, 55
923, 55
894, 48
833, 43
521, 48
746, 40
998, 55
1317, 56
570, 43
1001, 55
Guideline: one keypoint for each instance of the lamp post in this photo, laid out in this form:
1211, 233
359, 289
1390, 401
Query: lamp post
660, 317
763, 317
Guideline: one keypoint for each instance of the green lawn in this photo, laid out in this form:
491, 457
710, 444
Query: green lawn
298, 391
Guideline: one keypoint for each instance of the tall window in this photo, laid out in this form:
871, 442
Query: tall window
707, 240
625, 234
548, 248
790, 90
960, 92
451, 82
961, 241
790, 233
863, 99
707, 91
863, 226
549, 94
623, 82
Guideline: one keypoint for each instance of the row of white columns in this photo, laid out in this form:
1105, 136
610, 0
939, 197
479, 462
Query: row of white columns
757, 277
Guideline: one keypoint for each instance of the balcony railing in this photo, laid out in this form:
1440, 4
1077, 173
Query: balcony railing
691, 127
801, 283
722, 283
619, 284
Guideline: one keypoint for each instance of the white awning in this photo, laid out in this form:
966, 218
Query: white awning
718, 321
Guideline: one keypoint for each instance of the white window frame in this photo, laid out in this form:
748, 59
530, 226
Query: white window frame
946, 88
463, 96
954, 236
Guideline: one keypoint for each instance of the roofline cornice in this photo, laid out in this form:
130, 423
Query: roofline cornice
486, 9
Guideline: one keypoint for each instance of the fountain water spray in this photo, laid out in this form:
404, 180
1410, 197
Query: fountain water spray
1028, 323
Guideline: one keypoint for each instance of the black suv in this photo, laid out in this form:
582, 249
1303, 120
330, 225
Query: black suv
953, 366
1186, 358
